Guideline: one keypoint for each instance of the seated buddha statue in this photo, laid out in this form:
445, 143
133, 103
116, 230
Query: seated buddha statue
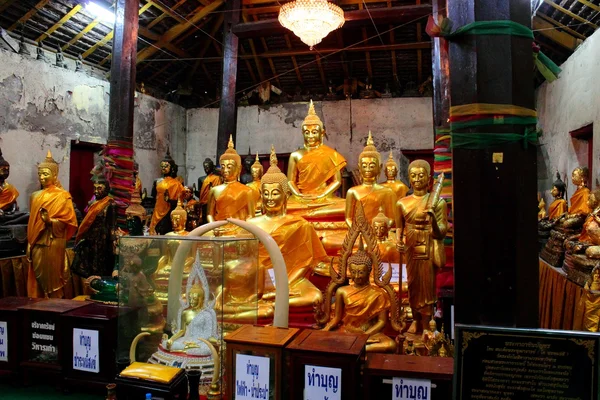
193, 209
166, 191
591, 300
8, 193
230, 199
559, 206
541, 209
387, 245
391, 171
257, 172
206, 183
296, 238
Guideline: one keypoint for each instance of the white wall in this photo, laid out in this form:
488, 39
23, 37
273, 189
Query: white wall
396, 124
44, 107
567, 104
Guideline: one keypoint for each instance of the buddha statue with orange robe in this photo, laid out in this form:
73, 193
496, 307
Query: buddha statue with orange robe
591, 301
559, 206
579, 200
166, 191
391, 171
52, 222
230, 199
206, 183
8, 193
192, 208
257, 172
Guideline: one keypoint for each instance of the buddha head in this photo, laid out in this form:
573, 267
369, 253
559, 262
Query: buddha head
381, 225
4, 168
558, 187
209, 166
256, 170
369, 162
168, 166
419, 173
230, 163
48, 171
432, 325
579, 176
178, 217
101, 187
136, 215
274, 188
312, 128
391, 168
188, 193
196, 296
360, 265
248, 161
594, 199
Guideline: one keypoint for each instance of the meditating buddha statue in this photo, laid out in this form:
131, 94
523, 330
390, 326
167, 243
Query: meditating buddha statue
541, 209
166, 191
579, 200
8, 193
206, 183
391, 171
257, 172
421, 229
230, 199
387, 245
52, 222
296, 238
591, 300
192, 208
559, 206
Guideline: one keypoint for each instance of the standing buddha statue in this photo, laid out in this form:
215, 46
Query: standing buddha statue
559, 206
230, 199
257, 173
205, 183
52, 222
391, 171
8, 193
421, 229
166, 191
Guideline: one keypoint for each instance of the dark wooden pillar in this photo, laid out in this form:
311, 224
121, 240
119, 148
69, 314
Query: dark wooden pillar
441, 72
228, 108
495, 231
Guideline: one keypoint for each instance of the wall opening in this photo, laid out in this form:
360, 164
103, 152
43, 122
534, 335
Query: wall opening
83, 158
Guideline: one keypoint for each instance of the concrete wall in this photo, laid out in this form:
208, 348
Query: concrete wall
44, 107
567, 104
397, 124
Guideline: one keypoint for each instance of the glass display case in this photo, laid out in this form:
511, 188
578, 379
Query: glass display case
179, 296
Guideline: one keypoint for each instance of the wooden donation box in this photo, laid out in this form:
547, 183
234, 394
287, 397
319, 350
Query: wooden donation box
255, 361
403, 376
161, 381
42, 335
326, 365
89, 344
10, 332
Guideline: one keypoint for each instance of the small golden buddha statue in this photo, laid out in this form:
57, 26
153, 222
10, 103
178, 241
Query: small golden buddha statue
166, 191
8, 193
391, 172
588, 240
541, 209
387, 246
421, 229
192, 208
591, 299
430, 334
410, 348
559, 206
579, 200
257, 172
296, 238
52, 222
231, 199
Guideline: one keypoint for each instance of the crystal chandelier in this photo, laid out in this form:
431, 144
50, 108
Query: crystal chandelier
311, 20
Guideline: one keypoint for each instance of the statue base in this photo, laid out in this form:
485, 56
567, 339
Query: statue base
578, 267
554, 251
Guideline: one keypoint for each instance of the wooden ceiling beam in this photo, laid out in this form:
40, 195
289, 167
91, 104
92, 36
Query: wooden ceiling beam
386, 47
207, 41
4, 4
269, 59
85, 30
590, 5
419, 52
340, 41
165, 10
367, 54
548, 30
260, 10
259, 67
289, 46
393, 15
340, 2
562, 26
570, 14
29, 14
165, 15
321, 72
178, 30
60, 23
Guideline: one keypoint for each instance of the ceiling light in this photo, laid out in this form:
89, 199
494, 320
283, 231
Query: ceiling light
311, 20
101, 13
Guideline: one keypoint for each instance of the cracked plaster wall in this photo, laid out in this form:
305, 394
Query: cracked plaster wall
396, 124
565, 105
44, 107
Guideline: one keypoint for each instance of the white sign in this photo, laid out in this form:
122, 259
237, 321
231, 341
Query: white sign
322, 383
85, 350
251, 377
406, 388
3, 341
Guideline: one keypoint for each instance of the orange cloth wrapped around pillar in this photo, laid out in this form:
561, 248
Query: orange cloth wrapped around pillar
8, 195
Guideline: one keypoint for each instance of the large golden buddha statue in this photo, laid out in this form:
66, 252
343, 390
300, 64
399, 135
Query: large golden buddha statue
296, 238
52, 222
166, 191
257, 172
8, 193
231, 199
421, 229
391, 171
579, 200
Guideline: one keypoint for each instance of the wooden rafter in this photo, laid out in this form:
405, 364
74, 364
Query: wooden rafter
289, 46
321, 72
259, 67
419, 52
270, 60
548, 30
4, 4
85, 30
367, 54
165, 10
248, 65
165, 15
590, 5
29, 14
340, 42
60, 23
570, 14
178, 29
562, 26
205, 45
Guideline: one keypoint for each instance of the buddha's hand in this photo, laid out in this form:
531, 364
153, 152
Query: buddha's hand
44, 215
167, 196
400, 246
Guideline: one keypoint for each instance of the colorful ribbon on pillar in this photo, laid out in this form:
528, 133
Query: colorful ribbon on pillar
118, 161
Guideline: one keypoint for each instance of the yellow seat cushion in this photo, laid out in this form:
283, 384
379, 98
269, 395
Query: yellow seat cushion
150, 372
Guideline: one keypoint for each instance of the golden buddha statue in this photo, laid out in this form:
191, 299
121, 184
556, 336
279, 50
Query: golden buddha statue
314, 171
257, 172
421, 229
387, 246
591, 300
166, 191
230, 199
559, 206
8, 193
391, 171
431, 334
192, 208
296, 238
206, 183
52, 222
541, 209
579, 200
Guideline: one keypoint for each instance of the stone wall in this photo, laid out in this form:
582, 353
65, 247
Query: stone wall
44, 107
397, 124
565, 105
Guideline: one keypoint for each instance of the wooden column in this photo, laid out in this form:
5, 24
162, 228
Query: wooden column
495, 224
228, 108
441, 72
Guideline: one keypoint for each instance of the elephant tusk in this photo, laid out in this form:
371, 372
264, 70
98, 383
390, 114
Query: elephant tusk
133, 346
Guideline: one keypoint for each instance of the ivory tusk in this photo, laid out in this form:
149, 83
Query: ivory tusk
216, 361
133, 346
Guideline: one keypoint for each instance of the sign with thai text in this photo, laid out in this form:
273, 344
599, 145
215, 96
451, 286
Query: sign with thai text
406, 388
44, 346
322, 383
3, 341
251, 377
85, 350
